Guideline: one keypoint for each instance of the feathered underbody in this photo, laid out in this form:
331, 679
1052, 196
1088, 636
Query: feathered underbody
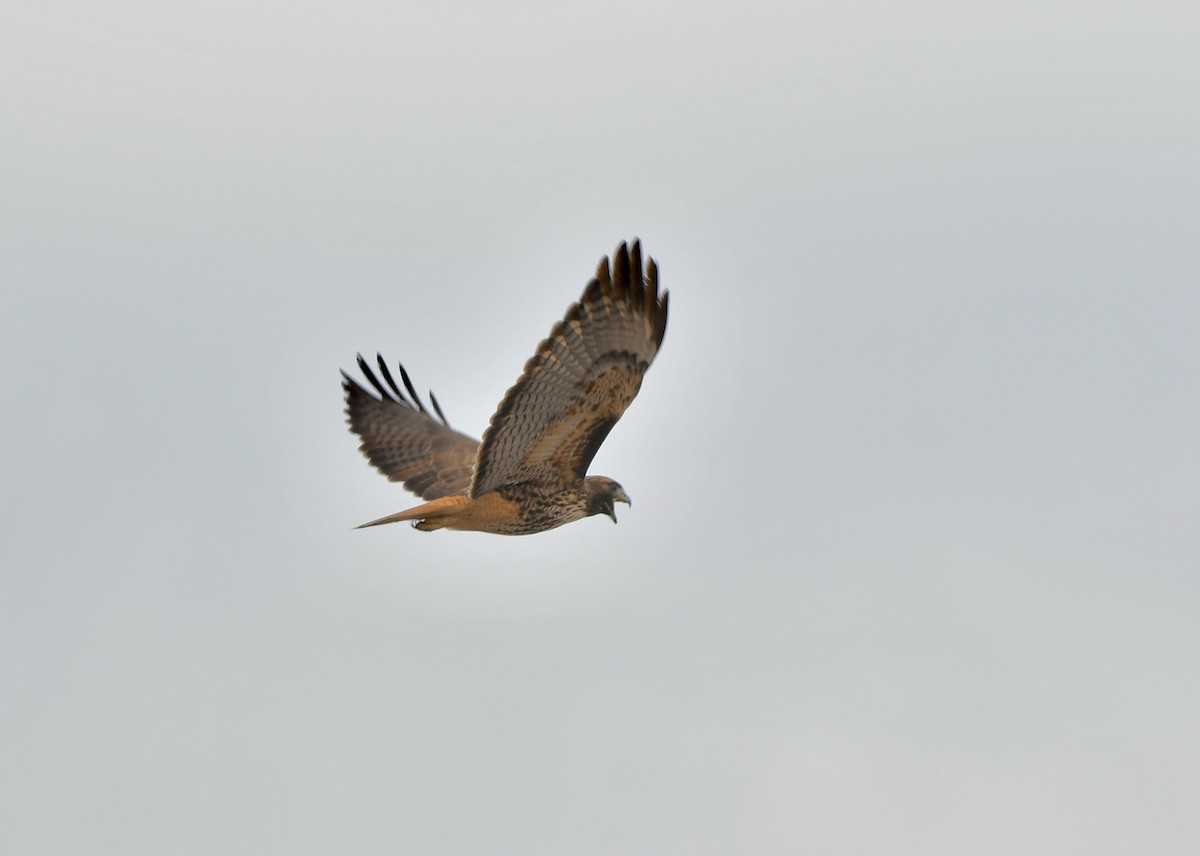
521, 509
529, 472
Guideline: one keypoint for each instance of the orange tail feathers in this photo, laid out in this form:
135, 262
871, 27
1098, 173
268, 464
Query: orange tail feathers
430, 516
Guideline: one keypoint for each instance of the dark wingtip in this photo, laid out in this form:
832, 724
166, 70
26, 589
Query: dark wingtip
621, 264
604, 270
438, 409
660, 321
408, 384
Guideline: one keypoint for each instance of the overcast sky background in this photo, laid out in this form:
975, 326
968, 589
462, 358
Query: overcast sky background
913, 564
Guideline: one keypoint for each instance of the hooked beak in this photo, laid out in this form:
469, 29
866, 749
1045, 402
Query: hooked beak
619, 495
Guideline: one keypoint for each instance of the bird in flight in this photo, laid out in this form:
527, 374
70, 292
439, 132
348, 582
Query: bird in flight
529, 473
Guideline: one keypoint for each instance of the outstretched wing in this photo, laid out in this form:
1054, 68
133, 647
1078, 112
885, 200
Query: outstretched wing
405, 441
574, 389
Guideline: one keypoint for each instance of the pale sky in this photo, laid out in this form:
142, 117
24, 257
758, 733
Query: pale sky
913, 563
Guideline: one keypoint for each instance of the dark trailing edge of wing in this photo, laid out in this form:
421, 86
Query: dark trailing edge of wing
592, 445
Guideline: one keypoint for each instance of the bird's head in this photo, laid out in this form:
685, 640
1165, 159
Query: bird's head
602, 492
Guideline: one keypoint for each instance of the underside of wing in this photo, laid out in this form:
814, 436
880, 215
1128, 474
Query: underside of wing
579, 382
403, 440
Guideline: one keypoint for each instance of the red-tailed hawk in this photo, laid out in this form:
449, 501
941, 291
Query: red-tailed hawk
529, 473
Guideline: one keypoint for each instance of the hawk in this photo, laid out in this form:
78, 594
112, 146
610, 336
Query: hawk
529, 473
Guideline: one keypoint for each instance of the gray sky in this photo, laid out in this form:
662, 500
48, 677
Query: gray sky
913, 564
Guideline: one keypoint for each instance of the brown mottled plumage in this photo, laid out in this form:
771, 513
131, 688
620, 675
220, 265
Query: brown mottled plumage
529, 473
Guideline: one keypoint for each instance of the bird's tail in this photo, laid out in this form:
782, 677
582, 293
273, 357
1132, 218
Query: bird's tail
432, 515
